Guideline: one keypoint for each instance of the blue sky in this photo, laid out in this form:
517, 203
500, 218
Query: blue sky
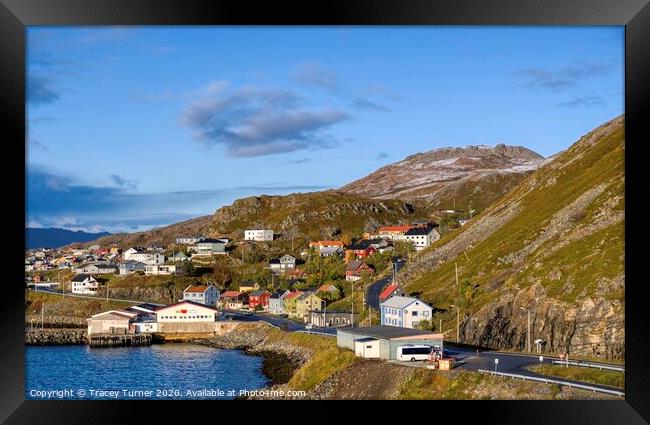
135, 127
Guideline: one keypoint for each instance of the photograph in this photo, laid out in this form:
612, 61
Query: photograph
228, 212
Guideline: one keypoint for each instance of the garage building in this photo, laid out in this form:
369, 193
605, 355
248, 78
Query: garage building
382, 341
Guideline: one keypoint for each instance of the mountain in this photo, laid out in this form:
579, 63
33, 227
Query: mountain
55, 237
158, 236
554, 245
451, 177
315, 215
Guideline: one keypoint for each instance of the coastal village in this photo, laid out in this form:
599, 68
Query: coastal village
403, 324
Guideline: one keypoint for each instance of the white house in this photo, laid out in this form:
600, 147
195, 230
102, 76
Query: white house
276, 302
97, 269
202, 294
130, 267
210, 246
179, 256
146, 257
111, 322
422, 237
84, 284
284, 263
258, 235
189, 240
160, 269
186, 316
404, 312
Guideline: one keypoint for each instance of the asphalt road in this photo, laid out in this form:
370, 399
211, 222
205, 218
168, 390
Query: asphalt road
508, 362
374, 289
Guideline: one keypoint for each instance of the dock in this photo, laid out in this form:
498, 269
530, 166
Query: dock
124, 340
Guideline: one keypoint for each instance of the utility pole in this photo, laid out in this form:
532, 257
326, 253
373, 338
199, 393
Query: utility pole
107, 290
457, 308
352, 313
528, 332
42, 315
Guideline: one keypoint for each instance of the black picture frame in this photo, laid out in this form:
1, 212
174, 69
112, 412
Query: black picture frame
15, 15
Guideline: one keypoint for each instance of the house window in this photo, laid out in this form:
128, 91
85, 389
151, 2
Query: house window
414, 313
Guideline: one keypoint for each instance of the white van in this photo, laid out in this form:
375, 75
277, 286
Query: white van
414, 352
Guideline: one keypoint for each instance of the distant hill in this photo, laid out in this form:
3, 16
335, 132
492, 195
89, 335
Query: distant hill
554, 245
451, 177
316, 215
160, 235
55, 237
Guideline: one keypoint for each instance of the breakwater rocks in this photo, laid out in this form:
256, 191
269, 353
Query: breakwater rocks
280, 360
56, 337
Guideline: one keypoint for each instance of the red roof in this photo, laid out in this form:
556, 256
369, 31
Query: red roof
293, 295
325, 288
388, 290
200, 289
231, 294
395, 228
327, 243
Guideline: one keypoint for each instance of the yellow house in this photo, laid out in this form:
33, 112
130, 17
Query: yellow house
249, 288
305, 303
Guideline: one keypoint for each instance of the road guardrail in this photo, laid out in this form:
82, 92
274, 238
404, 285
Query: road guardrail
587, 364
316, 333
554, 381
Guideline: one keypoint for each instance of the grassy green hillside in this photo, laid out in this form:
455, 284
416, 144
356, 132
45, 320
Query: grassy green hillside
554, 244
313, 215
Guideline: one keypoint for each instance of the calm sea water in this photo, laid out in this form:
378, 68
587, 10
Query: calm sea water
167, 371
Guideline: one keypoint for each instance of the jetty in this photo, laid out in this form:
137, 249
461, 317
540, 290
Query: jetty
116, 340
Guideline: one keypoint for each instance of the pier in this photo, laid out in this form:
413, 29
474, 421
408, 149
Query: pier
124, 340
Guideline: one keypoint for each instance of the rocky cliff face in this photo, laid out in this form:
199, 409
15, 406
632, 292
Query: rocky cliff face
476, 174
316, 215
553, 245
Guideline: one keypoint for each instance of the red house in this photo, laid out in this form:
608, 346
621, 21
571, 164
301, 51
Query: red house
359, 250
260, 297
390, 290
355, 269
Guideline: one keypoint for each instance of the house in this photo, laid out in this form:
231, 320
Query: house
276, 302
329, 318
290, 303
259, 298
391, 289
306, 302
161, 269
97, 269
295, 274
355, 269
186, 317
318, 245
423, 223
234, 300
202, 294
381, 342
144, 256
249, 287
329, 289
130, 267
179, 257
360, 250
330, 251
83, 284
422, 237
282, 264
210, 247
111, 322
404, 312
394, 233
189, 240
259, 235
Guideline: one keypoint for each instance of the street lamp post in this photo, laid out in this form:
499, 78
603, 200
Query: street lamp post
528, 333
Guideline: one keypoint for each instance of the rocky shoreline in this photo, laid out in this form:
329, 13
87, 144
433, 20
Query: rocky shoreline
56, 336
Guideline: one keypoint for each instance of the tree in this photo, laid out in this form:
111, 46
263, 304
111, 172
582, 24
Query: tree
466, 293
187, 268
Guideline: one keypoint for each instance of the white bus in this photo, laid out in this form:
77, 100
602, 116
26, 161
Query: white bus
414, 352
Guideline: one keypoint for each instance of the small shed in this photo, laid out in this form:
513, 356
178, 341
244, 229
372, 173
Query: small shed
367, 348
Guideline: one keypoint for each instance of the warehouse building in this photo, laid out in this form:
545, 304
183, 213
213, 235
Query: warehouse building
381, 342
